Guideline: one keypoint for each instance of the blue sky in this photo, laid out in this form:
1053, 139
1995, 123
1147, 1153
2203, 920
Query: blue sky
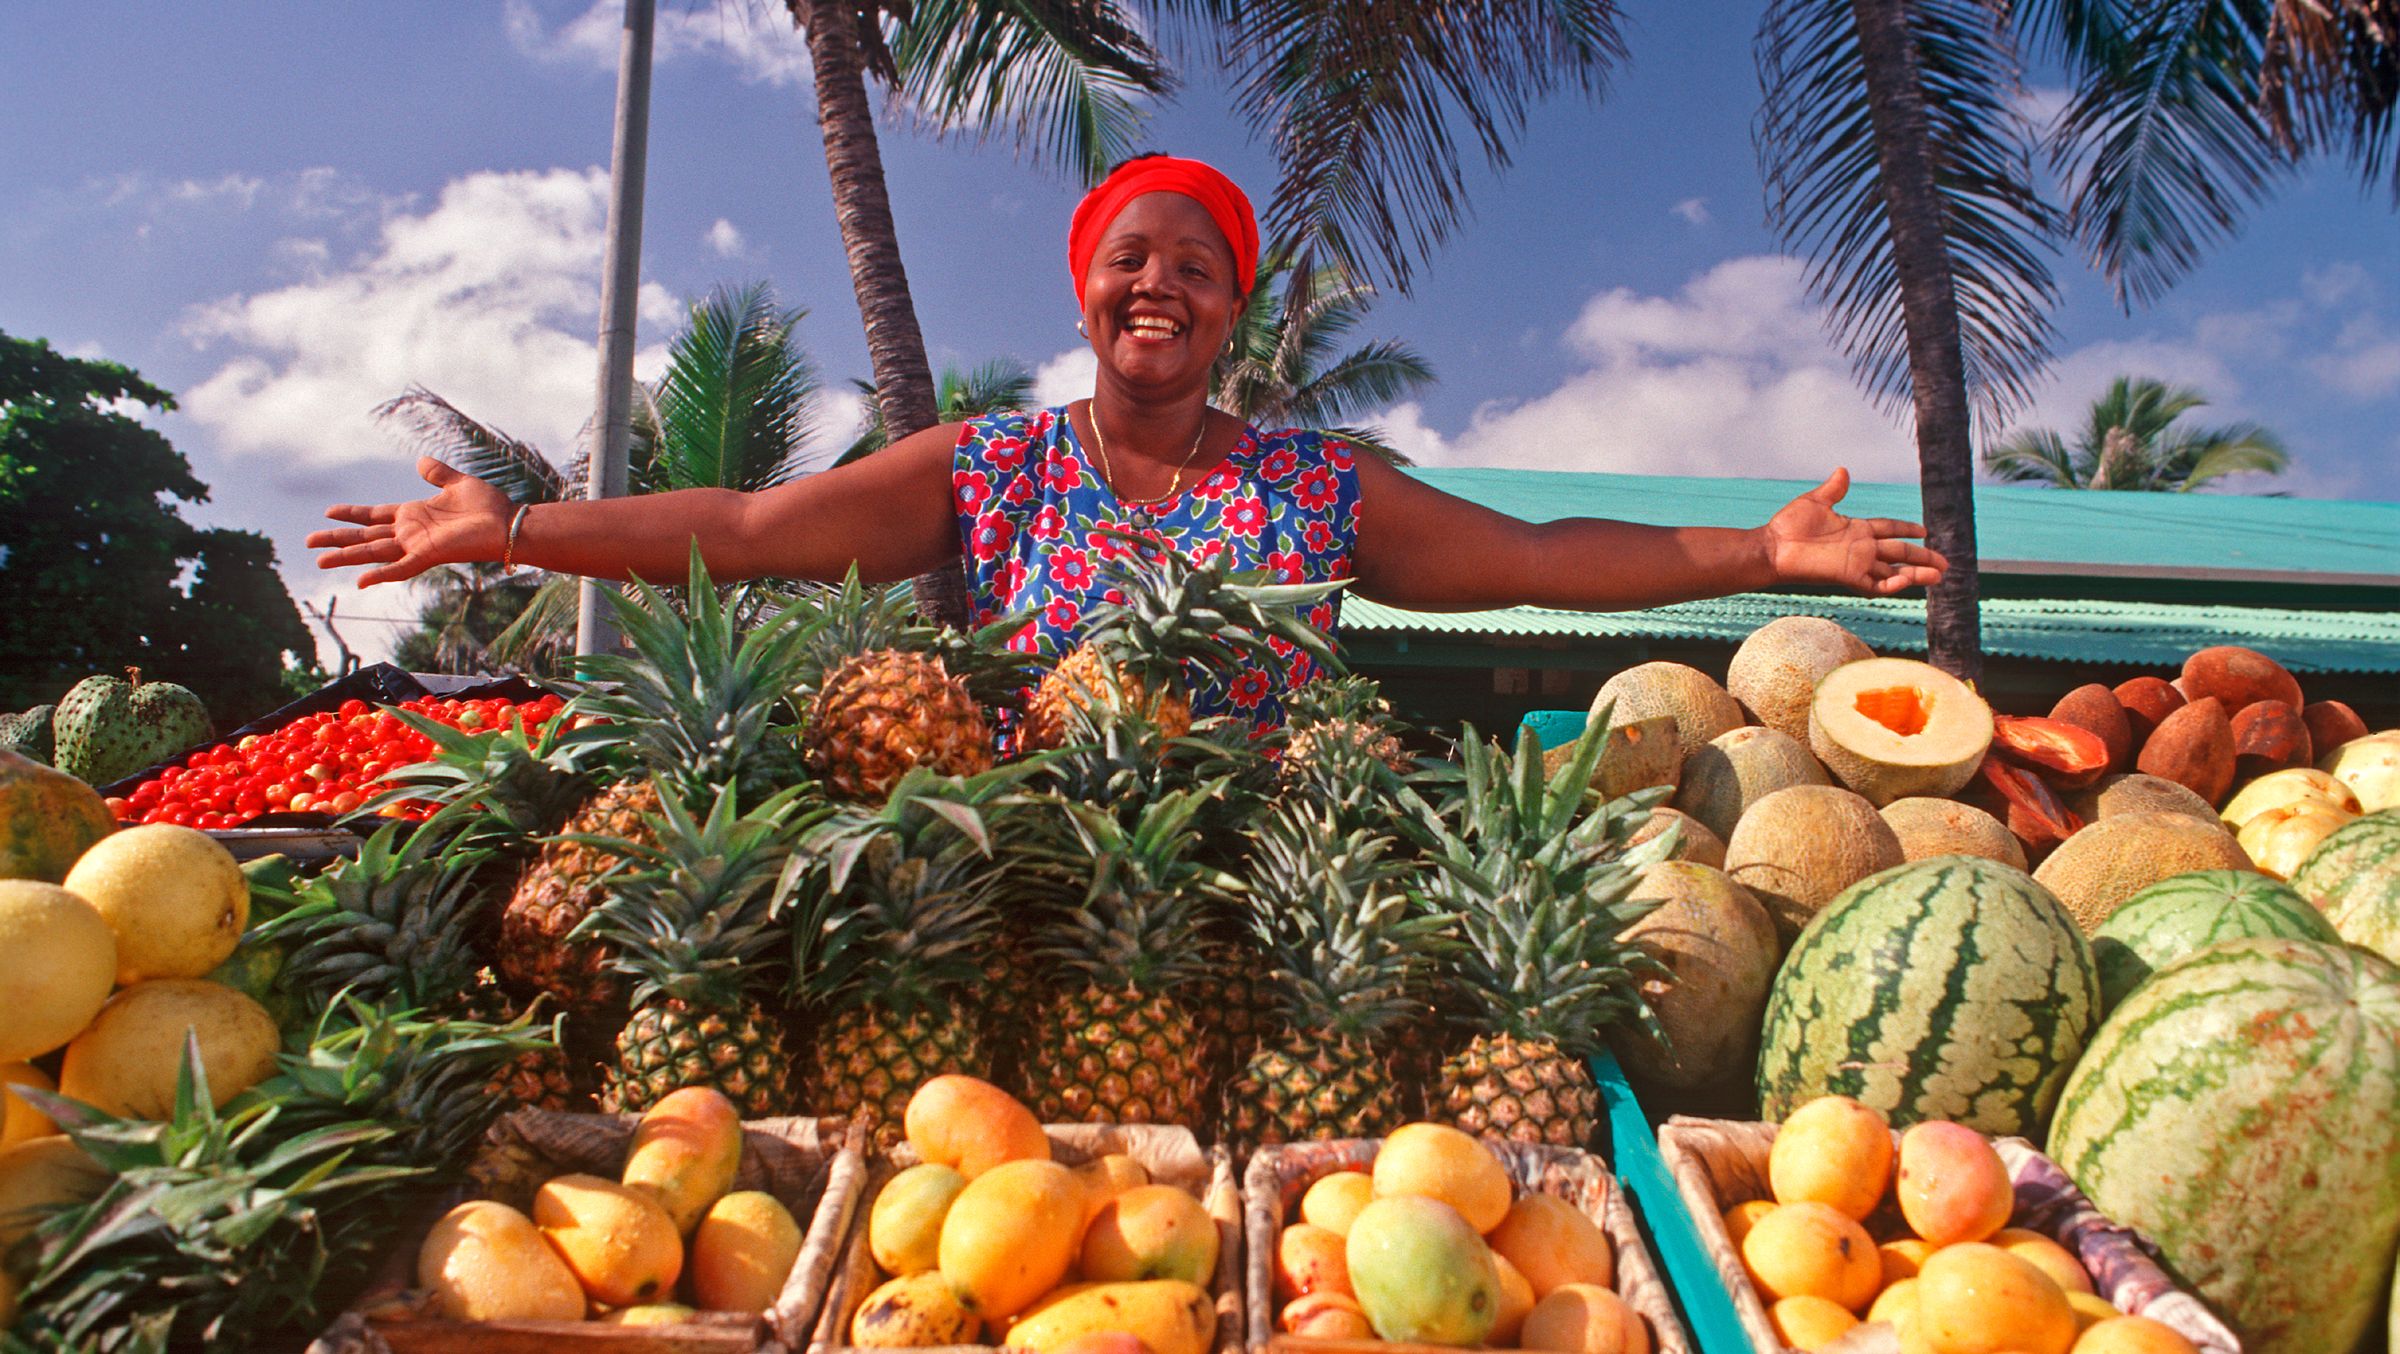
288, 212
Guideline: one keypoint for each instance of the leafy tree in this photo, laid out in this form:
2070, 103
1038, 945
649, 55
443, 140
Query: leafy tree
1002, 383
2132, 442
1286, 370
99, 569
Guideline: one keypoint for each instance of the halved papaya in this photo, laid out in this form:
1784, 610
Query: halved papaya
2074, 756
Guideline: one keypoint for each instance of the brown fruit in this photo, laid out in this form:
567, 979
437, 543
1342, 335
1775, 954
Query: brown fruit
2193, 747
2269, 736
2147, 701
2331, 724
2239, 678
2069, 754
2094, 707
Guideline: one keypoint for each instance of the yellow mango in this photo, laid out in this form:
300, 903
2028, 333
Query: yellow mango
485, 1261
912, 1312
904, 1228
620, 1243
685, 1153
1334, 1201
1106, 1177
959, 1121
1153, 1232
1011, 1235
742, 1252
1167, 1315
1436, 1161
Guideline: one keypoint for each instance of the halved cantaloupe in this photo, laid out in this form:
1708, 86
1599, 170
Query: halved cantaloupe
1890, 728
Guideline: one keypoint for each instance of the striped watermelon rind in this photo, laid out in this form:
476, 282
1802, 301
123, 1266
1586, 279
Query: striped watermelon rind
2238, 1111
1948, 988
2188, 912
2354, 875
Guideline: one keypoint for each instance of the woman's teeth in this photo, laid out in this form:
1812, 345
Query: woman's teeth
1149, 328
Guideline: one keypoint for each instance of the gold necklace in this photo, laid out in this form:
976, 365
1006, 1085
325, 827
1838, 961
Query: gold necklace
1091, 411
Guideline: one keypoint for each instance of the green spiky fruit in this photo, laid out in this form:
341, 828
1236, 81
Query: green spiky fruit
27, 734
107, 728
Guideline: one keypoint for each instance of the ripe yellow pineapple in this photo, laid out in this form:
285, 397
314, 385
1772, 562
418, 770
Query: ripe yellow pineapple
559, 889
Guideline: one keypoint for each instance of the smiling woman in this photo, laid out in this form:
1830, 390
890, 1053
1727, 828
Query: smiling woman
1163, 253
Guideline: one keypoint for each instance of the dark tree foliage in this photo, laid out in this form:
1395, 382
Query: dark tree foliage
98, 569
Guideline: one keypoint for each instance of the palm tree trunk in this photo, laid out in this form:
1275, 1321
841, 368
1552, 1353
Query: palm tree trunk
1929, 307
895, 347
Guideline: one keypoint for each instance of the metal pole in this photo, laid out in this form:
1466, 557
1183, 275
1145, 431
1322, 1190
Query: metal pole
620, 282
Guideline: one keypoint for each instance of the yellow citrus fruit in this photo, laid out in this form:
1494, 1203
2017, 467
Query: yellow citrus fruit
173, 895
62, 960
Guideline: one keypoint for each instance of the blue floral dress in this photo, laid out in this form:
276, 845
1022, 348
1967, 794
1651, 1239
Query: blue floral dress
1031, 505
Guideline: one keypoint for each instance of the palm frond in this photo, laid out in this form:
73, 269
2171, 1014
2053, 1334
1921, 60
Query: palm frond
1828, 195
437, 428
1002, 383
738, 398
2330, 80
1375, 374
2166, 143
2033, 456
1064, 77
544, 630
2204, 455
1369, 438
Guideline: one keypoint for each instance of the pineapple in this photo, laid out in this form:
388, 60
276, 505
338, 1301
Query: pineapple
1178, 620
1342, 750
909, 913
560, 888
694, 926
1538, 885
1348, 955
1117, 1044
390, 928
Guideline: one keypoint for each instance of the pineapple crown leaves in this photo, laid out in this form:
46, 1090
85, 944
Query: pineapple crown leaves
391, 924
1125, 902
522, 783
1332, 752
697, 698
1176, 612
1351, 949
691, 917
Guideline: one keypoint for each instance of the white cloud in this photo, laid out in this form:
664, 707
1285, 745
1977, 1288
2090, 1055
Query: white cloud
755, 37
1693, 210
1066, 378
2367, 371
490, 298
724, 239
240, 189
841, 417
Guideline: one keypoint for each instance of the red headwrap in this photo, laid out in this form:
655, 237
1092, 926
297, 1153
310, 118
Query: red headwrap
1224, 202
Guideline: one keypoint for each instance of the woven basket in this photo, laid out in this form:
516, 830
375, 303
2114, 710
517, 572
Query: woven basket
1278, 1176
804, 1163
1171, 1155
1719, 1163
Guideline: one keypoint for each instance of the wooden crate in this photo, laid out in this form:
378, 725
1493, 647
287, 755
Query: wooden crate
813, 1166
1278, 1176
1719, 1163
1171, 1155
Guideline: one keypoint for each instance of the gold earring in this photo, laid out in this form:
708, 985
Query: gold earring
1081, 330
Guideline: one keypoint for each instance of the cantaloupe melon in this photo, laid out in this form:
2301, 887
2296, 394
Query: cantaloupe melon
1775, 672
1892, 728
1945, 827
1638, 754
1701, 708
1721, 947
1727, 774
1798, 847
2114, 796
1694, 841
2116, 858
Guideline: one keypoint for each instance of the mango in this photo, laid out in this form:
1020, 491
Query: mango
19, 1120
1106, 1177
1422, 1272
2090, 1310
2045, 1255
1896, 1305
1584, 1318
1167, 1315
1103, 1342
686, 1151
1326, 1316
1808, 1323
904, 1228
1952, 1187
1743, 1216
1334, 1200
618, 1240
1311, 1259
1516, 1303
651, 1314
1815, 1250
1832, 1150
8, 1300
913, 1311
1554, 1243
1151, 1232
41, 1174
485, 1261
1011, 1235
742, 1251
1436, 1161
1975, 1298
1903, 1258
2132, 1335
972, 1125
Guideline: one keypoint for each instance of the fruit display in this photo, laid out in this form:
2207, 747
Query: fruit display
986, 1230
1952, 1241
1430, 1236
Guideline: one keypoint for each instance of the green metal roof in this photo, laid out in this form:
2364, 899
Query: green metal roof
2071, 631
2192, 544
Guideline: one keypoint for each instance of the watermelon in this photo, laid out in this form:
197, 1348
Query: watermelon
1948, 988
2188, 912
2354, 875
2238, 1111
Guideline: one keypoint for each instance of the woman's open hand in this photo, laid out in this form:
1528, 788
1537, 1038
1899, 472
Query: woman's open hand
466, 522
1809, 542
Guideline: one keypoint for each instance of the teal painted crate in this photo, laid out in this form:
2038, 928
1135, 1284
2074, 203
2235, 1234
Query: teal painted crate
1658, 1208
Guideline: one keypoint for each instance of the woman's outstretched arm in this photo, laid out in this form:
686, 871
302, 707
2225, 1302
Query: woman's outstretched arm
889, 514
1430, 551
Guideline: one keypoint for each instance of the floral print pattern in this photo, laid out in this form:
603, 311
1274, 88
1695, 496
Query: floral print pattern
1031, 507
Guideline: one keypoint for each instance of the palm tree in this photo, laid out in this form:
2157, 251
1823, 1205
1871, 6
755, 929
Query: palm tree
734, 409
1284, 369
1061, 73
2131, 442
1002, 383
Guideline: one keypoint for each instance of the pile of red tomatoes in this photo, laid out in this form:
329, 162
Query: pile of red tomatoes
327, 763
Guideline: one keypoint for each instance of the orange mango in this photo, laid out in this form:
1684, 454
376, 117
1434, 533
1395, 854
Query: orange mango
972, 1125
685, 1153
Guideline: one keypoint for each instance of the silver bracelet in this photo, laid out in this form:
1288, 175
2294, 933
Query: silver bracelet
508, 552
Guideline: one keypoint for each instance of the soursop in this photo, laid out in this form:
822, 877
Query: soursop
28, 734
107, 728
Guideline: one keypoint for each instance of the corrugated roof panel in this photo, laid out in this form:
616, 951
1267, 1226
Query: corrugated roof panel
2150, 635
